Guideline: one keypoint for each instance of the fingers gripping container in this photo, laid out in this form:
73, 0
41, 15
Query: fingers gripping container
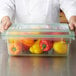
38, 39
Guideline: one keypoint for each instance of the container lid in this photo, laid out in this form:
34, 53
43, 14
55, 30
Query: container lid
57, 30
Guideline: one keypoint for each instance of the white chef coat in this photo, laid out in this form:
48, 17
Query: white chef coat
36, 11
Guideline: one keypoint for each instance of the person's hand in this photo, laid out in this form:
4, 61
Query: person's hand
5, 23
72, 23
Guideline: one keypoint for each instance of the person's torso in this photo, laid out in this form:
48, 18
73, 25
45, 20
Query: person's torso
37, 11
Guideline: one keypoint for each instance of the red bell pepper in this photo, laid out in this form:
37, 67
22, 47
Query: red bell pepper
25, 47
46, 45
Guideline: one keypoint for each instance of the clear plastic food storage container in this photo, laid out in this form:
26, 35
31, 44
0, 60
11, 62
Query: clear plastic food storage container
38, 39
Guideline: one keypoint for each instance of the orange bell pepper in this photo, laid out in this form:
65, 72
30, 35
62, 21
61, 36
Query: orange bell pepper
15, 48
28, 42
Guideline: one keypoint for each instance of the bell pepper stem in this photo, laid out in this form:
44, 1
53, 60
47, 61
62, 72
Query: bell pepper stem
14, 49
43, 46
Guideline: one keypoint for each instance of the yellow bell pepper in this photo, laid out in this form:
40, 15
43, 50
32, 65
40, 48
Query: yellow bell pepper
36, 48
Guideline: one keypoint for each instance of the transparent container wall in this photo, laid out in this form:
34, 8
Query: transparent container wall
38, 47
38, 39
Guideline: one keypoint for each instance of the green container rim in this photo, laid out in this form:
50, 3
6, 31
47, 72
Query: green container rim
70, 35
